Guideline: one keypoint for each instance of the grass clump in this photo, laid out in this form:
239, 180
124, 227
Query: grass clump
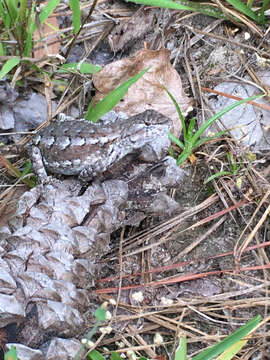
206, 9
192, 138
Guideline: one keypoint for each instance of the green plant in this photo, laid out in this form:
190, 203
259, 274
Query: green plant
100, 315
208, 9
20, 19
192, 139
246, 9
234, 168
94, 113
228, 347
11, 354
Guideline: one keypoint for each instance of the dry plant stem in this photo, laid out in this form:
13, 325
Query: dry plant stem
233, 42
222, 198
189, 248
145, 329
188, 69
84, 22
65, 92
232, 13
251, 235
148, 350
228, 191
262, 106
238, 249
183, 264
178, 55
171, 226
135, 348
120, 271
71, 99
101, 37
137, 239
252, 74
182, 278
48, 88
214, 304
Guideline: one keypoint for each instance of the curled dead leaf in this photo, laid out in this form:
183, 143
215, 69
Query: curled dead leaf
148, 92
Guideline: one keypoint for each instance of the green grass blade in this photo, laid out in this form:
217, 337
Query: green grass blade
76, 14
181, 117
32, 26
243, 8
115, 356
8, 66
95, 355
262, 11
190, 129
228, 341
232, 351
207, 138
5, 16
105, 105
187, 5
13, 10
210, 121
85, 68
218, 174
184, 155
29, 33
11, 354
176, 141
2, 51
47, 11
100, 314
181, 351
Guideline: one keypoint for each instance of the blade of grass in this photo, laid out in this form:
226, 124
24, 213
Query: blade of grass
8, 66
190, 129
243, 8
107, 104
181, 117
207, 138
32, 26
228, 341
232, 351
115, 356
84, 68
47, 11
2, 51
5, 16
30, 29
95, 355
181, 351
218, 174
210, 121
262, 11
176, 141
11, 354
192, 6
76, 15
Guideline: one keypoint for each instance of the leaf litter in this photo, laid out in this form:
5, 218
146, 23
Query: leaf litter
235, 296
147, 93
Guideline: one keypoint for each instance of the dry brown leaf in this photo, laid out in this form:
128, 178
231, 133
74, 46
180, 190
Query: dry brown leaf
146, 93
50, 47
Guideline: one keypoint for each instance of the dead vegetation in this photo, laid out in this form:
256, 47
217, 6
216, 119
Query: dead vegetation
203, 272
